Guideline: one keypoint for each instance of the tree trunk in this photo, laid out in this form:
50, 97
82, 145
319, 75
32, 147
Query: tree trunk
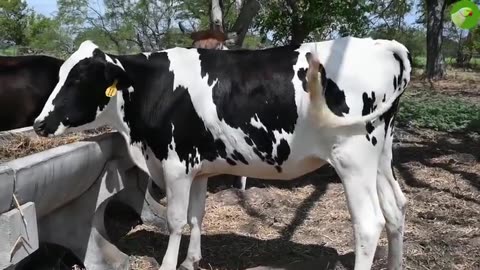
297, 29
216, 11
435, 68
249, 9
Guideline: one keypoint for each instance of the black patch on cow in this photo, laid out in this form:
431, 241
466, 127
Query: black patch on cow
384, 97
254, 84
335, 99
374, 140
389, 115
302, 76
283, 151
279, 169
146, 156
401, 64
393, 171
394, 82
368, 137
368, 107
231, 162
368, 103
409, 57
369, 126
238, 156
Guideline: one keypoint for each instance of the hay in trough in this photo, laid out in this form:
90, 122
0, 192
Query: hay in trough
17, 145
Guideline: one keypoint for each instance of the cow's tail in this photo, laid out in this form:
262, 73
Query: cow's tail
316, 83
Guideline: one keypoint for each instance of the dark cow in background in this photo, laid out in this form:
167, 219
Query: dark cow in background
26, 82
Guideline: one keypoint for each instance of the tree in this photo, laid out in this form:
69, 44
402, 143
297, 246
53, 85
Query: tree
435, 12
296, 21
247, 13
13, 21
236, 16
45, 35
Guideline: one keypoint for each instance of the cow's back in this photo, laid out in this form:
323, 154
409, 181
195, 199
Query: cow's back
25, 84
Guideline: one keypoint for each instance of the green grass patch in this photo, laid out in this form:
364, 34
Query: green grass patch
421, 61
439, 112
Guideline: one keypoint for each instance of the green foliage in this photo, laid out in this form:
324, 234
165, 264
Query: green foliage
439, 112
304, 19
45, 34
197, 13
13, 21
95, 34
412, 38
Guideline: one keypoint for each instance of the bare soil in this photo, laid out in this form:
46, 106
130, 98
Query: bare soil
305, 224
460, 84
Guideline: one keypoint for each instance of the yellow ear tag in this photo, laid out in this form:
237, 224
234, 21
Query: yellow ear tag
111, 90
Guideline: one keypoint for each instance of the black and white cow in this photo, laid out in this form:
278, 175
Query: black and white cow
26, 82
189, 114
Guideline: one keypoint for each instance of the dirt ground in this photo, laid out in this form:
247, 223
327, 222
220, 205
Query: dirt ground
458, 83
304, 224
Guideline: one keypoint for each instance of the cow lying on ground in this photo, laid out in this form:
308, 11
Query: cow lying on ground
189, 114
26, 82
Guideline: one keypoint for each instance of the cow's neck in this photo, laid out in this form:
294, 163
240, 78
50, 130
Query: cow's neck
133, 65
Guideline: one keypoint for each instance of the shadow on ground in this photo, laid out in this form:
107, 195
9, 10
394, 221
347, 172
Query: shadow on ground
231, 251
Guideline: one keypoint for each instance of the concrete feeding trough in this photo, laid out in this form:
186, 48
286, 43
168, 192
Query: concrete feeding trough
59, 196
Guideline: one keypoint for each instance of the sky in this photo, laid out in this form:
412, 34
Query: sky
45, 7
49, 7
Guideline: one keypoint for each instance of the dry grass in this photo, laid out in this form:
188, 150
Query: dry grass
20, 145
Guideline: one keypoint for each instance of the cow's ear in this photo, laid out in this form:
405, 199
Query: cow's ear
115, 73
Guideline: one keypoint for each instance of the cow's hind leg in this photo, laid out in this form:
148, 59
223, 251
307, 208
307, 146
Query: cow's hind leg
196, 211
393, 203
356, 162
177, 185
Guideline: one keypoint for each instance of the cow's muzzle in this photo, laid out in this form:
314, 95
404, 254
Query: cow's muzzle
39, 127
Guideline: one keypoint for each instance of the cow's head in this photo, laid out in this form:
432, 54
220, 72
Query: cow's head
79, 98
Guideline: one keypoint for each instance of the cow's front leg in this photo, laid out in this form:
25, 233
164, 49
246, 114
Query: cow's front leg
177, 185
196, 211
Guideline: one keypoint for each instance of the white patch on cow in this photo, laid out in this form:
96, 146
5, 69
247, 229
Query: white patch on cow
147, 54
256, 123
60, 129
302, 100
177, 62
99, 111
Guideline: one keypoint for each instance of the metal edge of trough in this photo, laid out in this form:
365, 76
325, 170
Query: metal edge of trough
58, 175
24, 130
